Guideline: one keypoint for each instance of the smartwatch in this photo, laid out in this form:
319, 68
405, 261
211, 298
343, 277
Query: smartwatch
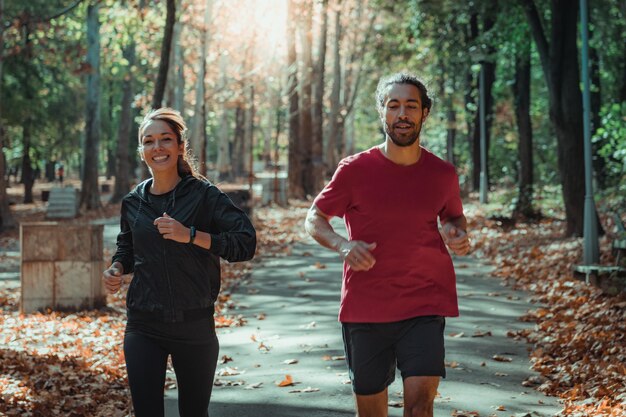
192, 234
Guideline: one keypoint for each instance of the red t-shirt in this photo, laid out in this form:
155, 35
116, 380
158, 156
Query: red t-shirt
397, 207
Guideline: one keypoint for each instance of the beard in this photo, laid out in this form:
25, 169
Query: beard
403, 139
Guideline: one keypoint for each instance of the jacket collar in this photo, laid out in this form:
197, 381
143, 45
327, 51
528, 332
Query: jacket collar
181, 189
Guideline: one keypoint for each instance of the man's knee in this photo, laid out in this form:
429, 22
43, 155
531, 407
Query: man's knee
422, 409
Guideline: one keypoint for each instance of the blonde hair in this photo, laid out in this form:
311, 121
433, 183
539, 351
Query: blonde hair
186, 162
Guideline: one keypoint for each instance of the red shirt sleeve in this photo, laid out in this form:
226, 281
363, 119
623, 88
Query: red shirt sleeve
453, 206
334, 199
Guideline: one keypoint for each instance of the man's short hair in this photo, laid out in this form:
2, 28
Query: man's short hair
401, 78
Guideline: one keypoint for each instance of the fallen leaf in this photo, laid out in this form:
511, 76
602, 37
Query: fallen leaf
228, 371
290, 361
320, 265
307, 389
501, 358
288, 381
254, 386
395, 404
460, 334
225, 359
460, 413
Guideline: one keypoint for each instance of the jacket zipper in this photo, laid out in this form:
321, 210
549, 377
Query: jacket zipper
169, 285
167, 274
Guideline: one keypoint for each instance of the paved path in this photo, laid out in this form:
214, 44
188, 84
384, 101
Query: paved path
291, 305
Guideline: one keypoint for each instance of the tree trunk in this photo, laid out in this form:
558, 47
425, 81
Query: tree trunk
224, 166
240, 133
470, 91
198, 131
489, 68
599, 163
172, 89
7, 221
335, 100
349, 134
296, 190
267, 132
90, 195
317, 115
166, 46
306, 91
198, 134
521, 94
28, 179
248, 141
559, 60
122, 169
490, 77
451, 131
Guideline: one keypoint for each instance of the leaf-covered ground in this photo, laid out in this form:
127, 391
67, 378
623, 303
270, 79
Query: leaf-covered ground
579, 341
71, 364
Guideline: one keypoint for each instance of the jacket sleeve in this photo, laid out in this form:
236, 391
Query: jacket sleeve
125, 253
235, 239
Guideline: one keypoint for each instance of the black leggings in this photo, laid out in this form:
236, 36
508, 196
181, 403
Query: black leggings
146, 363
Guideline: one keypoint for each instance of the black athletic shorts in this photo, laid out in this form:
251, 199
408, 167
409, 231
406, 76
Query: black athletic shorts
373, 350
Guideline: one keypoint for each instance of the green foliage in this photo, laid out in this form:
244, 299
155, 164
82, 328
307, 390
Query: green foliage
611, 140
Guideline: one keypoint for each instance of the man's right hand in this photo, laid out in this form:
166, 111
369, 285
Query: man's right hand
358, 255
112, 278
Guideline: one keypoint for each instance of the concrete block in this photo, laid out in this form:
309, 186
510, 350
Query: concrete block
61, 266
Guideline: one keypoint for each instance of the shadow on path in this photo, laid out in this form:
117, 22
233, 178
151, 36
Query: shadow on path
291, 304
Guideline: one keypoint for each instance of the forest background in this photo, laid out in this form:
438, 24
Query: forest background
289, 85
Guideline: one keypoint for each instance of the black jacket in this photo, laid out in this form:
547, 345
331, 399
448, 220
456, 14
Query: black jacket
172, 277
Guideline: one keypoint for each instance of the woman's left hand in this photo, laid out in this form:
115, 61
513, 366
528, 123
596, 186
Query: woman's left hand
172, 229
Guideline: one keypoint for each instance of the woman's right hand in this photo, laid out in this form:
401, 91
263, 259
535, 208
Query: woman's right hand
112, 278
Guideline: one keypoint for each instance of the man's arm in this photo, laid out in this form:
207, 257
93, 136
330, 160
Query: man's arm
356, 253
455, 234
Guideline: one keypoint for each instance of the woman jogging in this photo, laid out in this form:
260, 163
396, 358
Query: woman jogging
175, 227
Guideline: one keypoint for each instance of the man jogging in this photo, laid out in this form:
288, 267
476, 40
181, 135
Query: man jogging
398, 277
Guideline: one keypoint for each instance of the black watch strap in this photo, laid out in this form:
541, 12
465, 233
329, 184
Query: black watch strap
192, 234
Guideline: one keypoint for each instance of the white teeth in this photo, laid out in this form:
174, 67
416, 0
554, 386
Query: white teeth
160, 158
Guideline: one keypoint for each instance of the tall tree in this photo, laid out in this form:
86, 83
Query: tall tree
559, 60
521, 94
122, 157
166, 47
488, 67
224, 166
317, 115
28, 177
173, 88
198, 133
296, 189
306, 45
90, 196
332, 157
352, 71
7, 220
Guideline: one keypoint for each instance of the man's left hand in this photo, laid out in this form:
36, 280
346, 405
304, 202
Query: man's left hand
172, 229
456, 239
